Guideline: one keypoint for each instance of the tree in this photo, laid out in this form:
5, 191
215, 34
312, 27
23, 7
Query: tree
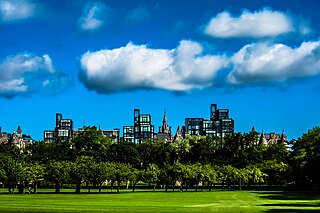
203, 150
119, 172
82, 170
148, 152
13, 173
276, 152
256, 175
228, 174
35, 174
3, 176
57, 172
167, 176
151, 175
305, 160
91, 142
134, 176
100, 174
44, 152
125, 152
11, 151
210, 175
277, 171
181, 149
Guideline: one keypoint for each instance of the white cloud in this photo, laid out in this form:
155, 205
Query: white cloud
26, 73
15, 10
261, 62
134, 67
93, 16
258, 24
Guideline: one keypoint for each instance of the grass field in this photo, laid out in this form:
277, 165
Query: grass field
215, 201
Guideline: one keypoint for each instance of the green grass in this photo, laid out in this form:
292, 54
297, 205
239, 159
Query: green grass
215, 201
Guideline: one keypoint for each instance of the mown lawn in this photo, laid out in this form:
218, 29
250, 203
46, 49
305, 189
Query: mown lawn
126, 201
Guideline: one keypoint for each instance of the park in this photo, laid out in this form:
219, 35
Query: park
147, 201
191, 175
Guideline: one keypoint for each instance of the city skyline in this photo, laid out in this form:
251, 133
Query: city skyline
96, 61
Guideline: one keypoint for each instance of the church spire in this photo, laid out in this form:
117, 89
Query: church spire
283, 137
19, 131
165, 126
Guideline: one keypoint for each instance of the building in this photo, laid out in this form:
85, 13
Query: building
16, 138
165, 131
62, 132
180, 133
141, 130
266, 139
219, 124
114, 134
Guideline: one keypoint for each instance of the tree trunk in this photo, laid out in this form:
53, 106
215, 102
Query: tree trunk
88, 187
118, 186
9, 188
240, 184
21, 188
99, 188
78, 188
57, 188
154, 187
112, 182
35, 189
133, 186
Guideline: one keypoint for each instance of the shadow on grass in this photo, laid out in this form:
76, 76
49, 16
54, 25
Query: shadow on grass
280, 195
294, 205
291, 210
306, 201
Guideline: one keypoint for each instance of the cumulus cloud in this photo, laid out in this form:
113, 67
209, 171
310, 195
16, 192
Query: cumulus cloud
93, 16
15, 10
134, 67
25, 74
259, 24
261, 62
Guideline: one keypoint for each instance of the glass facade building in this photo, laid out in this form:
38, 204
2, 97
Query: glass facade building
219, 124
141, 130
62, 132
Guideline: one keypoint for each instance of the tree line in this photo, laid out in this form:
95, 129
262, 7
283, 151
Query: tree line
196, 162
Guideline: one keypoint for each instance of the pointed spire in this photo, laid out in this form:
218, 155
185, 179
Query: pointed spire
19, 131
253, 129
262, 139
19, 128
165, 126
283, 137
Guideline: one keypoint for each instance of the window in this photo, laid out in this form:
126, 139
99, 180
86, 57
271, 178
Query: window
48, 135
63, 133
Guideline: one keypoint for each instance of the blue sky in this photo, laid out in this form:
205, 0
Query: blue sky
95, 61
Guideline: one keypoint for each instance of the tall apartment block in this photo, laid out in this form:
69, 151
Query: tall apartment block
62, 132
141, 130
219, 124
